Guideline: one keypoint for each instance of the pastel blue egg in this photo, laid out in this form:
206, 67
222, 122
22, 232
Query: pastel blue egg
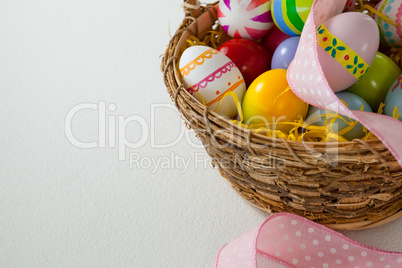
394, 99
353, 102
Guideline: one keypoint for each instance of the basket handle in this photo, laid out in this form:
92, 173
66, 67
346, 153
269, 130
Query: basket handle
192, 8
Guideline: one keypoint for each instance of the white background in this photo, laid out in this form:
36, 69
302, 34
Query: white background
63, 206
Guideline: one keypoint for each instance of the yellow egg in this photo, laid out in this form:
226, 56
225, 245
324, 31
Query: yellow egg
269, 100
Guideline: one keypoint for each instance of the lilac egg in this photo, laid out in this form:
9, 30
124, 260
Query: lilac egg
285, 53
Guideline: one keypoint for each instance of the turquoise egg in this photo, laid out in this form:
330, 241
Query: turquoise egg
353, 102
394, 99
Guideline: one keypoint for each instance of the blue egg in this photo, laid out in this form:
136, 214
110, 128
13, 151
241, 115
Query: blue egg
353, 102
285, 53
394, 99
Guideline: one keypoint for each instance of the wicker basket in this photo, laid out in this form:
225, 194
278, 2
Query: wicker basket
362, 190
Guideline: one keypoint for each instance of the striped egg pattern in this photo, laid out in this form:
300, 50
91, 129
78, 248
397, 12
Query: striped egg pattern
390, 34
211, 77
249, 19
290, 15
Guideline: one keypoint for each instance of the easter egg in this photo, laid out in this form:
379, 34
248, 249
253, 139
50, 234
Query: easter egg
273, 39
317, 116
285, 53
390, 34
347, 45
245, 18
290, 15
249, 56
208, 75
394, 99
374, 85
270, 100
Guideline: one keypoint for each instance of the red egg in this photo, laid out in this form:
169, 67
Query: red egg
250, 57
273, 39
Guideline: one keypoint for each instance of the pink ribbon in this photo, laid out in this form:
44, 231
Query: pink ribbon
307, 81
289, 240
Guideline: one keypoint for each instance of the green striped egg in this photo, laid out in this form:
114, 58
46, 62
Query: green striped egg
290, 15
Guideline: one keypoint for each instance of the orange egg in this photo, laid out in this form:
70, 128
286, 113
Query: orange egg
269, 100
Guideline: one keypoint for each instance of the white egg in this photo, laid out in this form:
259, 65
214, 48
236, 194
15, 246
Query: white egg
208, 75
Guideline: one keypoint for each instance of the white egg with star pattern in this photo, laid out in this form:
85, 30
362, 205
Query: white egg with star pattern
250, 19
210, 77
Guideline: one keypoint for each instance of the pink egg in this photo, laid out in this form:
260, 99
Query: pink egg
273, 39
347, 45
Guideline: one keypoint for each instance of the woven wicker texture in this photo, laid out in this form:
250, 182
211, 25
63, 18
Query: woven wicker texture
346, 186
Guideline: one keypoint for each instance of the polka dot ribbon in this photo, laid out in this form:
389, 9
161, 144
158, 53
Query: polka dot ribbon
288, 240
308, 82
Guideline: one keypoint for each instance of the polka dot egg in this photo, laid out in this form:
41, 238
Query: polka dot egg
390, 35
210, 76
290, 15
250, 19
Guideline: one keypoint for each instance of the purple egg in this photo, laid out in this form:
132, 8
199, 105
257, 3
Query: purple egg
285, 53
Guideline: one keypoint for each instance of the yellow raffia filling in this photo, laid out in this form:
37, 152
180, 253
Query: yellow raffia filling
395, 113
301, 131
